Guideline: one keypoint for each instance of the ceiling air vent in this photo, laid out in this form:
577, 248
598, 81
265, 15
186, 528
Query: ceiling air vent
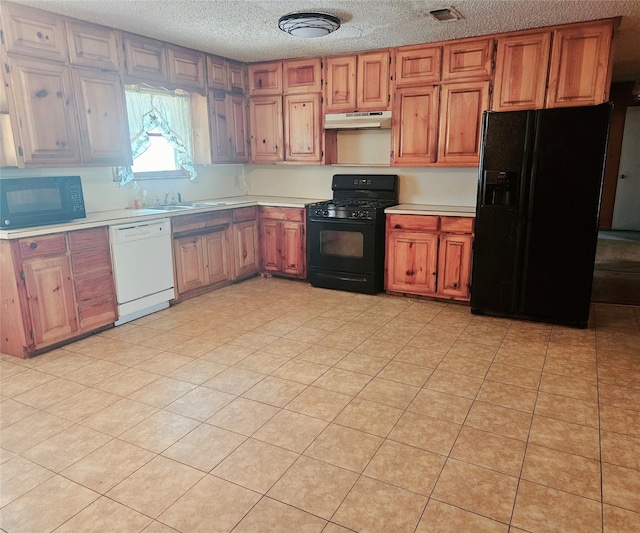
446, 14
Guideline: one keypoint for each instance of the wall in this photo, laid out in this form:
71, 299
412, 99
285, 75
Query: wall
367, 152
433, 186
101, 193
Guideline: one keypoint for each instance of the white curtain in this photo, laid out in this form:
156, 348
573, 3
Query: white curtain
170, 113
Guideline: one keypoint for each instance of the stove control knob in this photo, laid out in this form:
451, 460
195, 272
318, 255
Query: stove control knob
325, 213
318, 212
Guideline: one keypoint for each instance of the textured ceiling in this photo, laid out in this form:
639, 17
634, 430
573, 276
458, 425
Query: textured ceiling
247, 30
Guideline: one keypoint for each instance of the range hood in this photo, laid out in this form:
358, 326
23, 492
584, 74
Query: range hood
347, 121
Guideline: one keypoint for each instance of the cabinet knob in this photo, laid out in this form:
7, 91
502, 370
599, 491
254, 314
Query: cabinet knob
397, 226
33, 245
410, 272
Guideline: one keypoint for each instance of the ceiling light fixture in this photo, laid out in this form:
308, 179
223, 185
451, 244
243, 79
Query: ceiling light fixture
309, 24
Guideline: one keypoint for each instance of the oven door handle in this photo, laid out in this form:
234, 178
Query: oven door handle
351, 222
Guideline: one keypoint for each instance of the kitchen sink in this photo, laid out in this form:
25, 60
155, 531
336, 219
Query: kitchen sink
170, 207
207, 204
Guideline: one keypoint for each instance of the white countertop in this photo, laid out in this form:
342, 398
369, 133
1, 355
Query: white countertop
423, 209
124, 216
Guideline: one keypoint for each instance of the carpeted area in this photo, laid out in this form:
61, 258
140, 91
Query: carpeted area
616, 276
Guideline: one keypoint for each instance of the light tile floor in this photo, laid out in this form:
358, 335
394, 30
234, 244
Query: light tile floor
274, 406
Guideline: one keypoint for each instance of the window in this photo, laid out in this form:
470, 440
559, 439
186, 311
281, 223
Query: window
160, 131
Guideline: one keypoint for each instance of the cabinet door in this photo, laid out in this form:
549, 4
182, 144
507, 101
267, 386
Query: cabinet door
372, 92
302, 128
292, 249
417, 65
33, 32
217, 73
454, 266
415, 126
188, 255
579, 72
340, 92
411, 262
220, 141
237, 77
92, 272
266, 129
265, 78
237, 127
102, 116
521, 71
146, 59
467, 60
42, 98
51, 300
92, 46
245, 243
302, 76
186, 68
269, 246
216, 249
461, 107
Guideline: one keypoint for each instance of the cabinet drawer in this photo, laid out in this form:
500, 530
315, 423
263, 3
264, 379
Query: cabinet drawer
91, 287
282, 213
413, 222
245, 213
188, 223
457, 224
90, 238
96, 313
47, 244
90, 261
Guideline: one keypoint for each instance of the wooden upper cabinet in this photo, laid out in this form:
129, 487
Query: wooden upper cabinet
33, 32
417, 65
217, 77
220, 141
186, 68
521, 71
580, 68
468, 59
104, 131
340, 87
146, 59
266, 129
237, 77
41, 98
302, 76
415, 126
237, 127
461, 107
302, 128
372, 81
93, 46
265, 78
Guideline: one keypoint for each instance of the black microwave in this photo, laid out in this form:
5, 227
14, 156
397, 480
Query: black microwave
37, 201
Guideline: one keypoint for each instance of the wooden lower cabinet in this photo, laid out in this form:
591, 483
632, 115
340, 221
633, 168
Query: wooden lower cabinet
283, 242
202, 250
246, 258
93, 277
429, 255
213, 249
61, 287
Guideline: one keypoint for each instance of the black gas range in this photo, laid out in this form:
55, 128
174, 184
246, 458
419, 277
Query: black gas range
345, 235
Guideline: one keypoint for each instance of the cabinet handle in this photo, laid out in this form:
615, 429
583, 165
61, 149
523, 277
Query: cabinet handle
33, 245
397, 226
410, 273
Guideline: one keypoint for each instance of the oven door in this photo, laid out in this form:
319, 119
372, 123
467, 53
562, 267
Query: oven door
342, 245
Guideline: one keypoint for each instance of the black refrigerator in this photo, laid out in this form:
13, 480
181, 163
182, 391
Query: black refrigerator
539, 188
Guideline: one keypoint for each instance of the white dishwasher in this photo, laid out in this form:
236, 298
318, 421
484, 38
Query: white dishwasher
142, 268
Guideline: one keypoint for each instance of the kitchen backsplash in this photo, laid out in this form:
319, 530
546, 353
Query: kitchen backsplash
433, 186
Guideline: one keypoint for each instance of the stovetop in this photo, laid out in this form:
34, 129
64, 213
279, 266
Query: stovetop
349, 208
